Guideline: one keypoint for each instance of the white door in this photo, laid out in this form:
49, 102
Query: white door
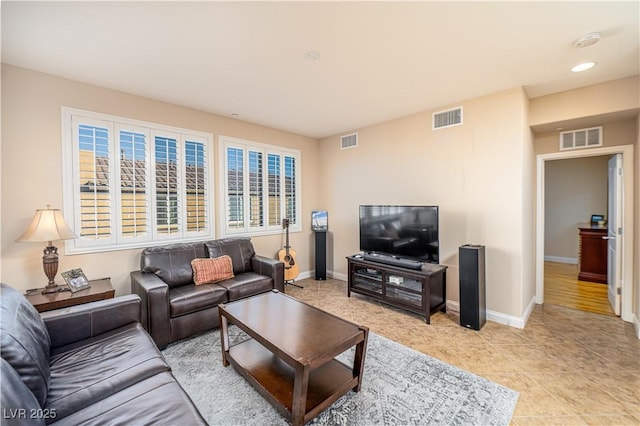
614, 234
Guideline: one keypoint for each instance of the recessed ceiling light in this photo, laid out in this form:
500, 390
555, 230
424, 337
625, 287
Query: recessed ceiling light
311, 55
235, 115
583, 66
587, 40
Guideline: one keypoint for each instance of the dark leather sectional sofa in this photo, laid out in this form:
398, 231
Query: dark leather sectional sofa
89, 364
174, 308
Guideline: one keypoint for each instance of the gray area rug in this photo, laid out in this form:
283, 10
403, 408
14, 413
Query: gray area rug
400, 387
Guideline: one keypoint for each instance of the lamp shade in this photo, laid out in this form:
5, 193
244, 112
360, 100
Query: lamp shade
48, 225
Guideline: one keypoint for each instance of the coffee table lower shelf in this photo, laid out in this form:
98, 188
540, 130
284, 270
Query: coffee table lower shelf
274, 379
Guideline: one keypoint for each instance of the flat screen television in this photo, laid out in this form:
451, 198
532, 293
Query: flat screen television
409, 232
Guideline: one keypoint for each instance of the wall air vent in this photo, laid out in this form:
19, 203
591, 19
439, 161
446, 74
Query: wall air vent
349, 141
581, 138
449, 118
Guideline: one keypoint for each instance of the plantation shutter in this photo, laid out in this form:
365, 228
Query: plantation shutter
290, 188
128, 182
95, 195
256, 191
235, 188
261, 187
196, 186
274, 188
134, 184
166, 185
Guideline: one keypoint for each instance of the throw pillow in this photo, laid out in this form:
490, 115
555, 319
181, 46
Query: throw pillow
209, 271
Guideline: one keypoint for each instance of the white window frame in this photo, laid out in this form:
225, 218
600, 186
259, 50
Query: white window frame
226, 142
71, 193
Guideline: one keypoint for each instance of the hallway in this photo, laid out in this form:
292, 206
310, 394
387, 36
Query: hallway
562, 287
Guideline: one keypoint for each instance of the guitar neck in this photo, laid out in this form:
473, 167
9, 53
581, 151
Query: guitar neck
286, 227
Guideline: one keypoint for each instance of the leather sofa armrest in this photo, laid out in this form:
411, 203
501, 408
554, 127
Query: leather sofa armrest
154, 295
75, 323
270, 267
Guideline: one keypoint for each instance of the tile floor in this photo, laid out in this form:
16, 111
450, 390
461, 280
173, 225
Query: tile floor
570, 367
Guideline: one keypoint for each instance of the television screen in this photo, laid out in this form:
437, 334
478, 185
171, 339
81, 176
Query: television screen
403, 231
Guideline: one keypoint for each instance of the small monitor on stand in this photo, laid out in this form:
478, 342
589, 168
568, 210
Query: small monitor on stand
319, 221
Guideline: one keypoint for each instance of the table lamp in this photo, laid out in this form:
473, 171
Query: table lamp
48, 225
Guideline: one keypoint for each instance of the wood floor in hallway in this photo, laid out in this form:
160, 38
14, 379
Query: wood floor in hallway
562, 287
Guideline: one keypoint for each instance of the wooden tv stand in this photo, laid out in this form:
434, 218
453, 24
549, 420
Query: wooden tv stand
420, 291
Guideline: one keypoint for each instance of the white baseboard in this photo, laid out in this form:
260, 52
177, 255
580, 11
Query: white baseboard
529, 310
559, 259
505, 319
305, 274
499, 317
338, 276
511, 320
454, 306
330, 274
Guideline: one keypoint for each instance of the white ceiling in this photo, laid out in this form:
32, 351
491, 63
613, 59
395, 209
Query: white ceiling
378, 60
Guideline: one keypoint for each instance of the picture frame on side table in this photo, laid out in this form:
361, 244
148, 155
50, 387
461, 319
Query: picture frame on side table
76, 280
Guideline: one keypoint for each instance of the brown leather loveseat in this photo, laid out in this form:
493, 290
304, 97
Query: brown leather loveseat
87, 364
173, 307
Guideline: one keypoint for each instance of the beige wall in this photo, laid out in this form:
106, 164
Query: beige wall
599, 99
32, 175
475, 173
614, 133
574, 189
528, 279
636, 279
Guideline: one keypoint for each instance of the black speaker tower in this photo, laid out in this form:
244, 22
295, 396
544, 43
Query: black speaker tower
473, 310
321, 255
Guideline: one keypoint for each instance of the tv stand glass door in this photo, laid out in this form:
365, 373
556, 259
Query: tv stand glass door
419, 291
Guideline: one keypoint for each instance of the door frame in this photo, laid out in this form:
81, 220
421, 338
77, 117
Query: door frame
627, 220
614, 201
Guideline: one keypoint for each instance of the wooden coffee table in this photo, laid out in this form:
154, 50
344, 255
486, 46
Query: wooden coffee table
289, 358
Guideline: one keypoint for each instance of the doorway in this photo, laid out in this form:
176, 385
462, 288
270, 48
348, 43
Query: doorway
626, 209
575, 189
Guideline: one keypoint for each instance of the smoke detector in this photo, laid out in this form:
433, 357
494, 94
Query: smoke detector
587, 40
312, 55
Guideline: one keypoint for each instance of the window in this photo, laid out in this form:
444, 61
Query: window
129, 183
261, 187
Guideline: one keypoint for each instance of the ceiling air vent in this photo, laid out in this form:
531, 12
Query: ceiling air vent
449, 118
581, 138
349, 141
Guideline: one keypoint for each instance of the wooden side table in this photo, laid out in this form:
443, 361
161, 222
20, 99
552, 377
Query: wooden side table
100, 289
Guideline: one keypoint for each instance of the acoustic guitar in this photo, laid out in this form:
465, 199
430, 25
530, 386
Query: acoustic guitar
288, 256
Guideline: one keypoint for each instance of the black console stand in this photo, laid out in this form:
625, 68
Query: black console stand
422, 291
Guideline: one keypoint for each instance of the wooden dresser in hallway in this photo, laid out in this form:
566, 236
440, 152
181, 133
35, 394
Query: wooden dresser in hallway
592, 252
